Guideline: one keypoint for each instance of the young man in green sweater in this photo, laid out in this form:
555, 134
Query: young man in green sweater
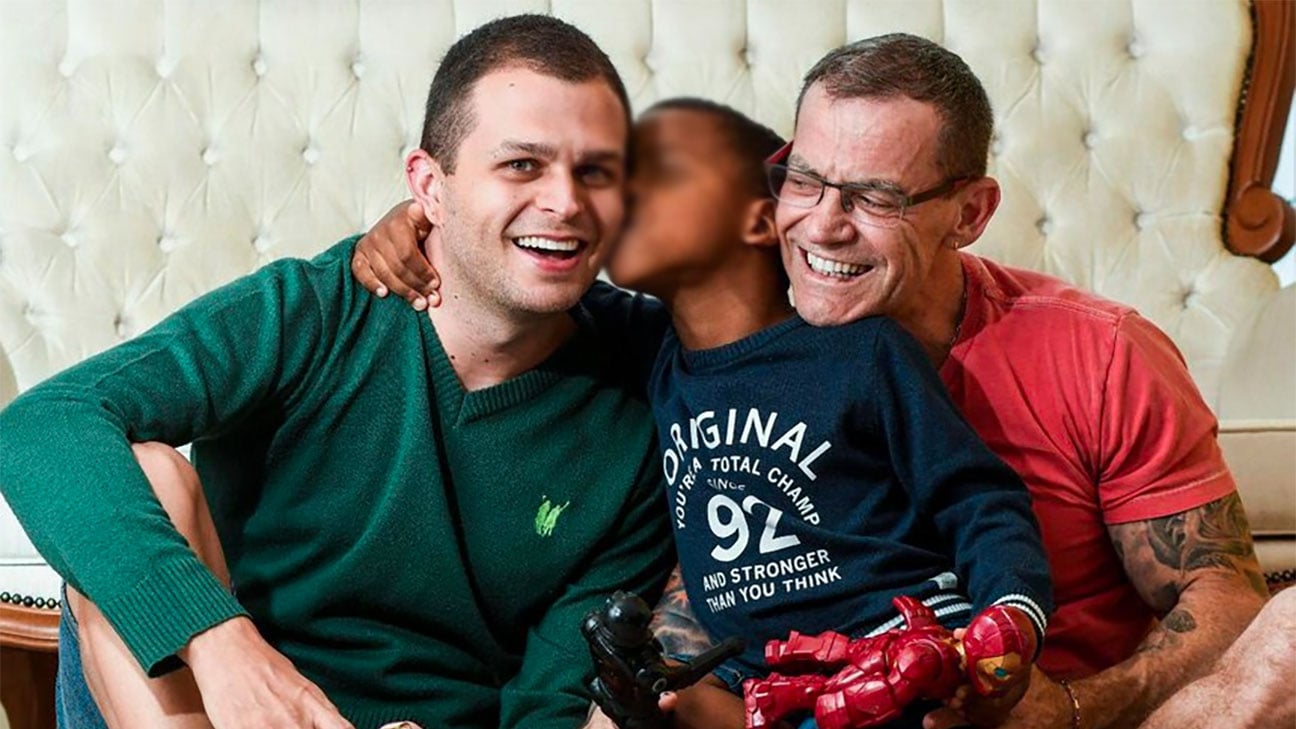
414, 511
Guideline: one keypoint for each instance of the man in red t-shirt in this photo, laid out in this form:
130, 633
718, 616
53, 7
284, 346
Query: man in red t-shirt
1152, 559
1154, 571
1094, 408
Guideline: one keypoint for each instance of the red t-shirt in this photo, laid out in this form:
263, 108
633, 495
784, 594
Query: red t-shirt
1094, 408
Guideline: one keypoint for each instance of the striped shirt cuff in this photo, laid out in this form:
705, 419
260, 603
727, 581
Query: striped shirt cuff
1028, 605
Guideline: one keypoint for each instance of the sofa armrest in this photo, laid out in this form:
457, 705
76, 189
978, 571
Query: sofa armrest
1262, 456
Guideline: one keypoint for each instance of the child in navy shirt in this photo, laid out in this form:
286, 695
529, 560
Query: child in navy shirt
813, 474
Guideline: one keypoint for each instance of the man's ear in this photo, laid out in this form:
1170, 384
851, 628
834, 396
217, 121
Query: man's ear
758, 223
978, 203
426, 180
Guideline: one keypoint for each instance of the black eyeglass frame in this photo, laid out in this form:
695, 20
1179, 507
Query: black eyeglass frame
775, 163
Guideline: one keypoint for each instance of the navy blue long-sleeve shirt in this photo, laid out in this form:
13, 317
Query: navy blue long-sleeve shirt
816, 473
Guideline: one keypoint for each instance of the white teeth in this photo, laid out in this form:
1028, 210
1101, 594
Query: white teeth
834, 268
548, 244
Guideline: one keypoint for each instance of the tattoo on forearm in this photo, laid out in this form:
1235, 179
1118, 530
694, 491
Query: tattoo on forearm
1163, 555
674, 623
1169, 632
1179, 621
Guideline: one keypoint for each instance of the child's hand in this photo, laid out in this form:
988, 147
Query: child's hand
707, 704
389, 258
967, 707
1000, 646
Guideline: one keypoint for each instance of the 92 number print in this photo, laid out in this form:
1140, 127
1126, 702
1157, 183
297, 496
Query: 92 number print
734, 524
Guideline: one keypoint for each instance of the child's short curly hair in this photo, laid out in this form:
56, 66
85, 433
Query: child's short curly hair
751, 141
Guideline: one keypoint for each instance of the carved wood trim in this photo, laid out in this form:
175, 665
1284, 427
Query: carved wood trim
1257, 222
34, 629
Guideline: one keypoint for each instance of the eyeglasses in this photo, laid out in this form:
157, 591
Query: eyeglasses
875, 204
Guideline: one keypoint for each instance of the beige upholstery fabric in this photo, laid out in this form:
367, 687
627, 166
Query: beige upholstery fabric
151, 150
1257, 404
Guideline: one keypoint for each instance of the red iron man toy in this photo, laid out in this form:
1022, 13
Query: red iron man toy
875, 678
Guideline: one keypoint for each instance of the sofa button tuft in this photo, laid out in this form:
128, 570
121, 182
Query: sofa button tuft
122, 326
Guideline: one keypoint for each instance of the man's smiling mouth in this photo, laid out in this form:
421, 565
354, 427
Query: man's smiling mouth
834, 269
545, 246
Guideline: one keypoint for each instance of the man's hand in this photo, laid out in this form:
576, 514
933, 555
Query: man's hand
1045, 705
245, 683
390, 259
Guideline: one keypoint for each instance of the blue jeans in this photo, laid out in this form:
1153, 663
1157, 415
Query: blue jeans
74, 707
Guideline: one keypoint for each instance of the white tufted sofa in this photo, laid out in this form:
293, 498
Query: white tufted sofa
151, 150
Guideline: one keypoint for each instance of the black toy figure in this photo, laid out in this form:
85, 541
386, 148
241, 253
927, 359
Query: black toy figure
631, 672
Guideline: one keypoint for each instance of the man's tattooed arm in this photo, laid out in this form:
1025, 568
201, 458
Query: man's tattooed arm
707, 704
1197, 570
674, 623
1213, 537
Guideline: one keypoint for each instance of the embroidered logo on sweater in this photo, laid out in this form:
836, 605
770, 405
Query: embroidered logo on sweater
547, 517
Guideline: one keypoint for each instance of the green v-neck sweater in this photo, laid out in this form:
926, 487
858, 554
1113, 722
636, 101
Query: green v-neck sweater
418, 551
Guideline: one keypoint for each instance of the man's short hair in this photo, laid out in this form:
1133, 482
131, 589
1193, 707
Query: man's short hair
749, 140
903, 65
539, 43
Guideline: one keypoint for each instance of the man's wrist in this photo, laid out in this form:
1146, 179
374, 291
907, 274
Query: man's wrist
219, 634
